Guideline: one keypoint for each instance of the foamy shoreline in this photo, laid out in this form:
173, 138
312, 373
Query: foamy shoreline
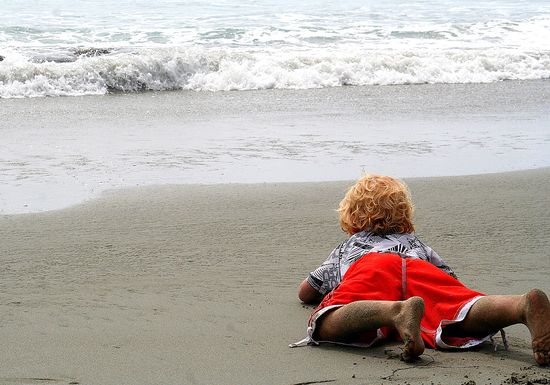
61, 50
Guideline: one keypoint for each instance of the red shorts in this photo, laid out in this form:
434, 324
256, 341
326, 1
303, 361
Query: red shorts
385, 276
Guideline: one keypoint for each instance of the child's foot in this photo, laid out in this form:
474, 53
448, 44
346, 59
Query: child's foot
537, 319
407, 324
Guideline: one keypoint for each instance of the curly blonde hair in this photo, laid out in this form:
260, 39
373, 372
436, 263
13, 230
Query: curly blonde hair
377, 203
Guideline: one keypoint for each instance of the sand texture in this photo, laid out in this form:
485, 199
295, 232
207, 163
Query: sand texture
197, 284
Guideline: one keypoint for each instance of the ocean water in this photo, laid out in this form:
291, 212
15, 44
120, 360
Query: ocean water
98, 95
91, 47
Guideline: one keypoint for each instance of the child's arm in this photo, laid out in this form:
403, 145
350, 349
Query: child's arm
307, 294
322, 280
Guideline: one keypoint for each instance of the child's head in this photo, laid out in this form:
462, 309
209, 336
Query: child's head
377, 203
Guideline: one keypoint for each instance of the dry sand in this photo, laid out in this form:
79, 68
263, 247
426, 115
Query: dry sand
197, 284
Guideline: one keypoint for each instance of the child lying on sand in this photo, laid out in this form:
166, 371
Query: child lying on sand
384, 281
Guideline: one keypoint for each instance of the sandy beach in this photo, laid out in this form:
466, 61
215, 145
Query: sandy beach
197, 284
170, 170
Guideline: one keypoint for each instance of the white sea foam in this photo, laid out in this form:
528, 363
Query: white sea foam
195, 69
53, 49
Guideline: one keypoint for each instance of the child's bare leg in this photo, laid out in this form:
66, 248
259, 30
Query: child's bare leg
495, 312
347, 322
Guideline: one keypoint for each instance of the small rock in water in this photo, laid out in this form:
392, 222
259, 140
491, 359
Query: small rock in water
91, 52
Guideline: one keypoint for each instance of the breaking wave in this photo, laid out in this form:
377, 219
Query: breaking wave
92, 72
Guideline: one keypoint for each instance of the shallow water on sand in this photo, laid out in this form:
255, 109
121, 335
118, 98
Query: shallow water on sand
56, 152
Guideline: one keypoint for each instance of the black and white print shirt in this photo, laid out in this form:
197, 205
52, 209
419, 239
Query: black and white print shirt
327, 276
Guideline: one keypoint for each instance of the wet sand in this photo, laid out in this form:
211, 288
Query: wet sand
197, 284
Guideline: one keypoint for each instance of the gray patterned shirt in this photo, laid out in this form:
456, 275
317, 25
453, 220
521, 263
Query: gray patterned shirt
327, 276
